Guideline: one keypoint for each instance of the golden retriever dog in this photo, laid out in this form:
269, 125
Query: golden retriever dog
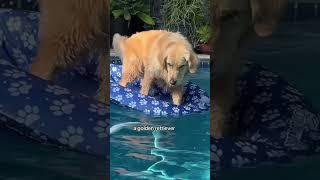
159, 57
69, 31
234, 23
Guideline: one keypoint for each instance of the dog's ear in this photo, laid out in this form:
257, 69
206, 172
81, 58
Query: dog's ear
266, 14
165, 63
193, 61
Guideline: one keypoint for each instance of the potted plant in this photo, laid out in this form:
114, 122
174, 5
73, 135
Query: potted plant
203, 34
184, 16
130, 16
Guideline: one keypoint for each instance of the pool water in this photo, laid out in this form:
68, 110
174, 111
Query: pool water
179, 154
22, 159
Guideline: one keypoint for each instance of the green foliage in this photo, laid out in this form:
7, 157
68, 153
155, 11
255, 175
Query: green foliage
129, 8
204, 33
185, 15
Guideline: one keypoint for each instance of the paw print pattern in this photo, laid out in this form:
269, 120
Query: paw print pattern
57, 90
239, 161
291, 97
28, 115
13, 73
20, 57
270, 115
72, 136
61, 107
275, 153
5, 62
28, 40
18, 88
262, 98
216, 154
100, 109
265, 82
247, 147
102, 129
268, 74
14, 24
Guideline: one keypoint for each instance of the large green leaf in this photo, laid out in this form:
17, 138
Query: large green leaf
117, 13
146, 18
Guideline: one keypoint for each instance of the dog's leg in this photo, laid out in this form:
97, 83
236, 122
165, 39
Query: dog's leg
146, 83
177, 95
129, 72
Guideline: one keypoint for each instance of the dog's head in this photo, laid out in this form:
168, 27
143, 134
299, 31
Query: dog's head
179, 60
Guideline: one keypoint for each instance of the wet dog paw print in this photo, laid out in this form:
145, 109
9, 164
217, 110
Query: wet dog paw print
247, 147
18, 88
262, 98
13, 73
100, 109
71, 136
61, 107
215, 153
101, 129
57, 90
28, 115
14, 24
270, 115
28, 40
265, 82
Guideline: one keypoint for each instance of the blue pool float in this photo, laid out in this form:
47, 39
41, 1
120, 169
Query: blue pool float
160, 103
60, 114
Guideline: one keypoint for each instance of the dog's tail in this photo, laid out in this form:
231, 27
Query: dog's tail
118, 43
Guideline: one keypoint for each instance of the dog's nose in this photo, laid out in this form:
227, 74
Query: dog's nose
173, 82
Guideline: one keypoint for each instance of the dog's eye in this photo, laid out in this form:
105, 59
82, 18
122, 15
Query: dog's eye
181, 66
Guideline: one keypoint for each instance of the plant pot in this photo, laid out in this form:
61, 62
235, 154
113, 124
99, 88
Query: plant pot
203, 49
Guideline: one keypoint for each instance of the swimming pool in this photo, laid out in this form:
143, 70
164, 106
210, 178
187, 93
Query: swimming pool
179, 154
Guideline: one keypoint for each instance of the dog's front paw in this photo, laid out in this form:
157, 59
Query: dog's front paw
123, 83
144, 92
177, 100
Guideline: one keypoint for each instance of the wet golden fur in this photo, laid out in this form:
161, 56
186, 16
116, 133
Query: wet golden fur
160, 57
234, 23
69, 31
